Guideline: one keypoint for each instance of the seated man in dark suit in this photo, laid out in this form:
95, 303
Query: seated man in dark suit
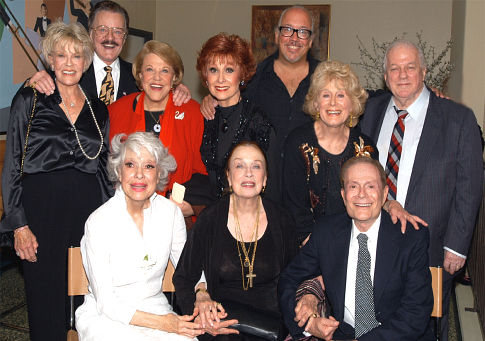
377, 279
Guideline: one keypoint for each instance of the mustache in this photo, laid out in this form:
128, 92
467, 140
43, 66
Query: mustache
294, 43
110, 42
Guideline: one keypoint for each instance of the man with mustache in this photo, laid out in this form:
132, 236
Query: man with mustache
108, 29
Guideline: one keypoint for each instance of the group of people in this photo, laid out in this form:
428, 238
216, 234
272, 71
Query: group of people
290, 153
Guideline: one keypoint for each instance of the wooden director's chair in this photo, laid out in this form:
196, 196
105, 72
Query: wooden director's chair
437, 313
77, 284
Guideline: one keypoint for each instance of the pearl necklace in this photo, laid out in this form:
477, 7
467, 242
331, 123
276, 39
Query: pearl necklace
75, 130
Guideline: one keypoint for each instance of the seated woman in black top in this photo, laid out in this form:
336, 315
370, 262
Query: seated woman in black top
241, 243
225, 65
315, 152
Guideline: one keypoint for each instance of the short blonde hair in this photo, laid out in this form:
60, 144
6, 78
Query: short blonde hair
60, 34
328, 71
165, 52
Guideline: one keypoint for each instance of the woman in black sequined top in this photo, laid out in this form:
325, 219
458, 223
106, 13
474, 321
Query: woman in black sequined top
225, 65
315, 152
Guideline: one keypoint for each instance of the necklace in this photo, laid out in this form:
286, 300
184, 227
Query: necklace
242, 246
75, 130
156, 127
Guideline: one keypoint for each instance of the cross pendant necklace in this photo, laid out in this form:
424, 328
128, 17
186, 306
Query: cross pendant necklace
250, 276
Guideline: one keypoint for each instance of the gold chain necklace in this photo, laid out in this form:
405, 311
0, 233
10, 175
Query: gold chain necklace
241, 246
75, 130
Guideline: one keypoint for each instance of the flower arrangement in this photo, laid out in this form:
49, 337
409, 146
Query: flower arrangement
438, 68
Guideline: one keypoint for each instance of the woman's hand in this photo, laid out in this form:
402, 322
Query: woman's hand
396, 211
306, 307
181, 95
210, 312
220, 328
185, 207
181, 325
207, 107
26, 244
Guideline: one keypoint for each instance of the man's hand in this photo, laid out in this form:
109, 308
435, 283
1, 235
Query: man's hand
396, 211
305, 308
322, 327
181, 95
452, 262
208, 107
43, 82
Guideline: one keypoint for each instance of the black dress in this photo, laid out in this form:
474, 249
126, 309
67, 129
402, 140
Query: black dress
59, 188
231, 125
311, 176
211, 248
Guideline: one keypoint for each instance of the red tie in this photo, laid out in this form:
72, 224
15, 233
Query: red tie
394, 155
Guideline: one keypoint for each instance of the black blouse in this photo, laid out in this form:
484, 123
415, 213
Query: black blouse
244, 122
52, 145
208, 246
311, 176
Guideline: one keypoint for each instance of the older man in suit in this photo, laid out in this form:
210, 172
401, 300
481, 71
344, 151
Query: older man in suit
377, 279
431, 149
109, 77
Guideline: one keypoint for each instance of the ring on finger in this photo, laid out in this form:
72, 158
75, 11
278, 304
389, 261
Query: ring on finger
17, 253
314, 315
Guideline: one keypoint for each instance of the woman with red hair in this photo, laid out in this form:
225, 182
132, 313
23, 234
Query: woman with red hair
225, 65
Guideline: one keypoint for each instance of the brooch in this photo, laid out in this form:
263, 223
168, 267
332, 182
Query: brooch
361, 150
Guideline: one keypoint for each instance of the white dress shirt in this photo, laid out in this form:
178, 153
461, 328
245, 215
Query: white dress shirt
99, 74
44, 23
125, 268
414, 123
372, 235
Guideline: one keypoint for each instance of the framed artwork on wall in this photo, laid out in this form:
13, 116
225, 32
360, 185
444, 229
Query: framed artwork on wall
265, 19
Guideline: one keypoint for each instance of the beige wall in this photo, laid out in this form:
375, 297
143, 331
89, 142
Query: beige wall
467, 84
186, 24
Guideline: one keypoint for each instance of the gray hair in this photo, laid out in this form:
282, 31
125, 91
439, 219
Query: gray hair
403, 42
293, 7
136, 142
60, 34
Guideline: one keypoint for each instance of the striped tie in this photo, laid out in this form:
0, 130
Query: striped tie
394, 155
107, 87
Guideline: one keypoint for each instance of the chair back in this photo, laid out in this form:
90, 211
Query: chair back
77, 281
437, 282
167, 284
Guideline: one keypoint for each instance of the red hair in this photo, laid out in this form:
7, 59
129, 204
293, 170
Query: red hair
224, 46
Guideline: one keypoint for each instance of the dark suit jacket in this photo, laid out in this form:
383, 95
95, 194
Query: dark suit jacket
446, 182
126, 86
403, 297
38, 25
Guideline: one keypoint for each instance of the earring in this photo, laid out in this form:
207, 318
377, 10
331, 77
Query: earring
263, 189
52, 67
351, 123
242, 82
230, 189
207, 83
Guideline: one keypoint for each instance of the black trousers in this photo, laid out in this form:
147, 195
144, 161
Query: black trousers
57, 205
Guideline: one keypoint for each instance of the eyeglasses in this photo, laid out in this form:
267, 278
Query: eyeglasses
102, 31
302, 33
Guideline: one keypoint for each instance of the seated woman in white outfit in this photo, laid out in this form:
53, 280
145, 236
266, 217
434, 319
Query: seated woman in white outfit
126, 247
